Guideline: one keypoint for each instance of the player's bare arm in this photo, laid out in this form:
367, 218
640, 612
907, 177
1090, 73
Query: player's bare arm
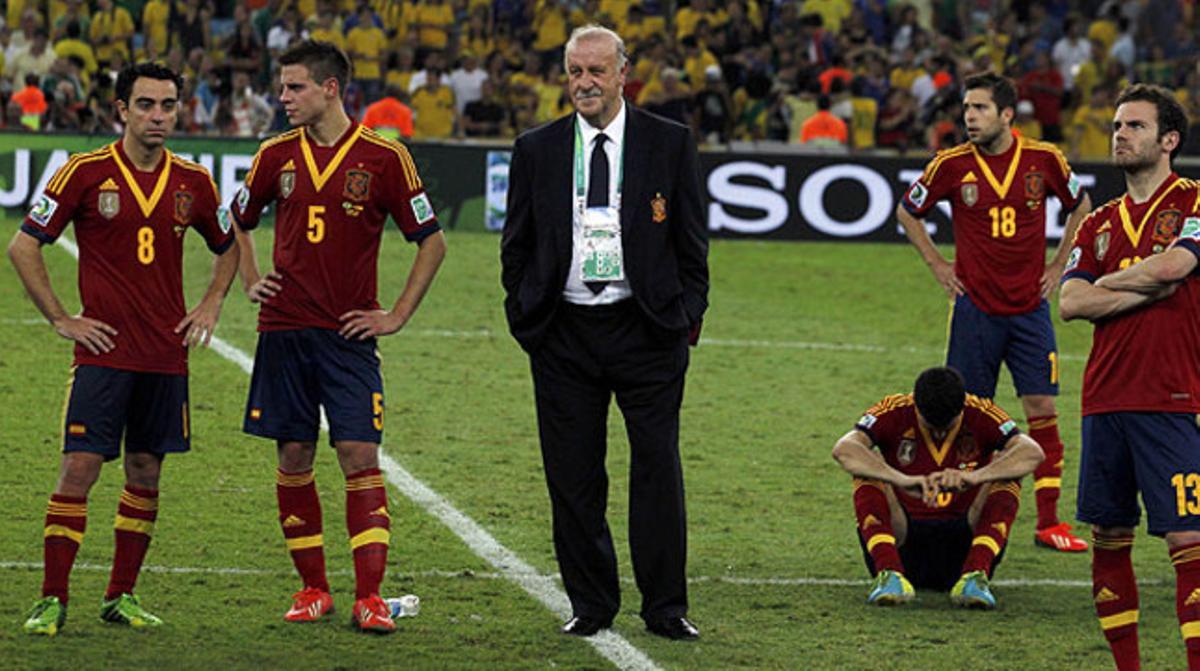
26, 255
854, 454
199, 324
1080, 299
942, 269
1152, 275
363, 324
259, 288
1057, 264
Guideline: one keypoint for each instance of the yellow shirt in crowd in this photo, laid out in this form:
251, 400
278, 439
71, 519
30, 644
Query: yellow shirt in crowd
154, 24
434, 112
117, 26
366, 45
441, 17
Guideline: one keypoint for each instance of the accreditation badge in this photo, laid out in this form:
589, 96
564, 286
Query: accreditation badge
602, 256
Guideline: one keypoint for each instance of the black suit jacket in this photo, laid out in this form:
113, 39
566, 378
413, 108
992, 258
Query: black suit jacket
665, 253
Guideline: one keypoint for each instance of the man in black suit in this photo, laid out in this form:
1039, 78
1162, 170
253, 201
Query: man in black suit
605, 272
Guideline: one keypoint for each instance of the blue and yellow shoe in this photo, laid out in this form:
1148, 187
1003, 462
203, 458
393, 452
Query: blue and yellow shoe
127, 609
891, 588
46, 617
973, 591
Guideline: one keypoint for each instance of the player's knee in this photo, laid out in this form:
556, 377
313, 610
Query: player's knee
1038, 405
1112, 532
1179, 539
355, 456
296, 457
80, 470
142, 469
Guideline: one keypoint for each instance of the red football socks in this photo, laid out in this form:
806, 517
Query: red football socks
136, 513
369, 523
66, 520
1047, 477
300, 517
991, 531
875, 525
1115, 595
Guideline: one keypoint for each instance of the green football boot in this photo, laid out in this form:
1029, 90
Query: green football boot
127, 609
47, 617
973, 591
890, 588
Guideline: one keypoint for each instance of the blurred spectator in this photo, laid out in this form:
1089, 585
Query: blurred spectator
365, 44
477, 38
466, 81
1157, 68
751, 107
37, 60
836, 70
21, 39
189, 25
549, 29
671, 99
389, 116
1091, 127
896, 119
73, 46
111, 30
1043, 86
823, 129
75, 11
433, 108
713, 109
432, 23
435, 60
251, 114
1026, 123
400, 69
696, 59
243, 52
155, 17
486, 116
1124, 50
284, 31
864, 114
325, 28
551, 95
687, 16
32, 103
1071, 51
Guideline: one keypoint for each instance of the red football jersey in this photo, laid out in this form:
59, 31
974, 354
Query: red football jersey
998, 206
1145, 360
129, 226
906, 446
332, 204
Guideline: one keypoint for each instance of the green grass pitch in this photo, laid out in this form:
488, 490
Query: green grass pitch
799, 340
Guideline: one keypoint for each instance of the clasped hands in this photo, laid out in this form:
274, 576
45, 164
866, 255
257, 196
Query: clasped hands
928, 487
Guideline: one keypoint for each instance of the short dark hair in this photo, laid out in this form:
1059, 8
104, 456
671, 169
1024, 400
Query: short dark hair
131, 73
939, 394
1171, 115
323, 60
1004, 94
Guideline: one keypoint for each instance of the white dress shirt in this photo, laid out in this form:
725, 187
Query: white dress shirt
575, 291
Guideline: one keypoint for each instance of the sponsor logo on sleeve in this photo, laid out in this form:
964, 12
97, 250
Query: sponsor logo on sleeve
223, 219
917, 194
243, 199
867, 421
43, 210
422, 210
1008, 427
1073, 185
1191, 228
1073, 259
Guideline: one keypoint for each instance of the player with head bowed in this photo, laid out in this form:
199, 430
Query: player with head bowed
333, 183
936, 488
1132, 274
997, 185
131, 202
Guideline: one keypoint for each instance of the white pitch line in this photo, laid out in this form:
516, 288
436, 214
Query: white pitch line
611, 645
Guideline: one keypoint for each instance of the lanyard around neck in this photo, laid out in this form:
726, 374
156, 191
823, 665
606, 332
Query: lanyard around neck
580, 185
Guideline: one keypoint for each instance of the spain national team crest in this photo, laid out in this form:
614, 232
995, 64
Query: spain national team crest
358, 185
287, 183
906, 452
183, 207
970, 194
1102, 245
1035, 190
658, 208
1166, 226
109, 204
968, 449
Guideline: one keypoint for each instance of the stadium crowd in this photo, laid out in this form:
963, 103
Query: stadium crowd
834, 74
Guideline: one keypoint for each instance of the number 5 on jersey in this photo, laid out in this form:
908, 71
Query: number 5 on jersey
316, 225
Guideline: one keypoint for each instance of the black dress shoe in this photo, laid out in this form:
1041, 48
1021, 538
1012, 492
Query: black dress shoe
674, 628
582, 625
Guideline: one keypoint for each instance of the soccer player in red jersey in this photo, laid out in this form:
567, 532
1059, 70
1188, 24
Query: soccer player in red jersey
998, 282
1131, 273
333, 183
935, 503
131, 202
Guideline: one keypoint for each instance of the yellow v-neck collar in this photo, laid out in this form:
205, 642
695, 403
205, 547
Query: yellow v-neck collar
146, 205
319, 177
938, 452
1001, 188
1135, 234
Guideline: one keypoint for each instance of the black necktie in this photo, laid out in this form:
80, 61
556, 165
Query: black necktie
598, 191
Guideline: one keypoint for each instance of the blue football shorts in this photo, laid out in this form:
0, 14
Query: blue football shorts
979, 342
150, 410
